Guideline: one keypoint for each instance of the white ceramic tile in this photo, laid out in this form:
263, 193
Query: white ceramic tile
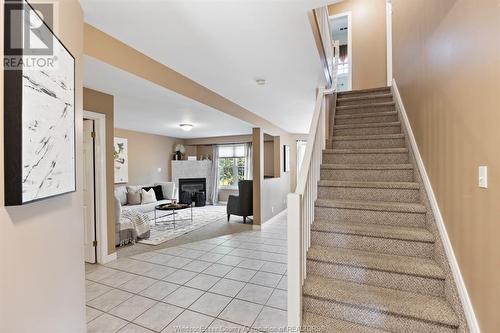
93, 290
189, 321
183, 297
266, 279
100, 273
133, 328
173, 251
211, 257
92, 313
159, 272
109, 300
197, 266
105, 324
254, 293
159, 290
222, 249
191, 254
274, 267
132, 308
227, 287
144, 256
180, 276
160, 259
222, 326
271, 320
251, 264
230, 260
178, 262
278, 299
137, 284
283, 283
203, 281
159, 316
210, 304
240, 274
117, 279
218, 270
241, 312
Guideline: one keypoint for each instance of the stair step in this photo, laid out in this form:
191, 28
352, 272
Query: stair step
367, 129
365, 108
378, 307
382, 191
378, 90
326, 324
367, 172
366, 156
386, 213
364, 99
414, 242
400, 272
364, 118
367, 141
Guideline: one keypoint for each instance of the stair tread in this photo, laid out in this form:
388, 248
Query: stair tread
383, 300
377, 261
381, 231
364, 97
368, 184
366, 115
404, 166
348, 126
364, 106
310, 319
363, 91
367, 137
372, 205
366, 150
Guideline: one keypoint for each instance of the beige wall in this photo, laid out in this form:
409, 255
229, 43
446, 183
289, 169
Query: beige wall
42, 285
447, 67
369, 58
99, 102
147, 153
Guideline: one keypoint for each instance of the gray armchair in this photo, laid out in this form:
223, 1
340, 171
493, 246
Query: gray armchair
241, 205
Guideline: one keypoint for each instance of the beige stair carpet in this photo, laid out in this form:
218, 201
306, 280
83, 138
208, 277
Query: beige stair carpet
371, 264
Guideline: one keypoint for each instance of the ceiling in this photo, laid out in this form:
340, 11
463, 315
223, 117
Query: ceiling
146, 107
226, 45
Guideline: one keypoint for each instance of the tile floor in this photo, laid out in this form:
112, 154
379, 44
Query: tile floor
233, 283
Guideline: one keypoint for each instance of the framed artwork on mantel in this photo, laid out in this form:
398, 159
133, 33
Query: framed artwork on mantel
121, 160
39, 109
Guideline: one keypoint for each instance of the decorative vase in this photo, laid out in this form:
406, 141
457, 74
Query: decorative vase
178, 155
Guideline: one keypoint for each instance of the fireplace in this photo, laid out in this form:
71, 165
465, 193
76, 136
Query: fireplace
193, 189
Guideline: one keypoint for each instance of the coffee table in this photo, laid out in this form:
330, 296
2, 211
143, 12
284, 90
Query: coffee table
171, 208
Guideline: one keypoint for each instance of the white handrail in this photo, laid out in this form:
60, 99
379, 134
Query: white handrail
300, 204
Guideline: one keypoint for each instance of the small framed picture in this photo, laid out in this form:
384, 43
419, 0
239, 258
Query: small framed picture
286, 157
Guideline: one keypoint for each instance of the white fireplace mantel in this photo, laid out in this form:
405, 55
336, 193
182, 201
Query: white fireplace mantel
192, 169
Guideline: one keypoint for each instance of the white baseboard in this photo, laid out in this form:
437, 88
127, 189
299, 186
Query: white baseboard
108, 258
455, 269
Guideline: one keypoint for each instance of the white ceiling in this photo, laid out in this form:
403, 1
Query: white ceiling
146, 107
225, 45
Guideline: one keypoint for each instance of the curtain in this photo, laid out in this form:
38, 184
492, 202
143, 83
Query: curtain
248, 161
214, 190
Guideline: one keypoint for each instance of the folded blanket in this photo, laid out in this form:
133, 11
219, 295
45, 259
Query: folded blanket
136, 222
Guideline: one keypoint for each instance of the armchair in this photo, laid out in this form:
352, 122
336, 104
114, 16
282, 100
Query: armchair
241, 205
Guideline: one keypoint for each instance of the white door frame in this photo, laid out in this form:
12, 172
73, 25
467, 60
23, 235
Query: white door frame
388, 16
349, 42
100, 187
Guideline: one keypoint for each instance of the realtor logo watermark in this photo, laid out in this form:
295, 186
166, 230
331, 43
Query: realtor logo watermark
28, 35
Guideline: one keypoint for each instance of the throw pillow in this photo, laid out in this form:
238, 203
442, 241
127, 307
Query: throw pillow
148, 196
168, 189
157, 189
134, 198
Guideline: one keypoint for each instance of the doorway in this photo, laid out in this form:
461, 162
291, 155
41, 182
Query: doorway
341, 30
89, 200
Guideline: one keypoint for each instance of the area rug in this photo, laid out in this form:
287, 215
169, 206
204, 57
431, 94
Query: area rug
202, 216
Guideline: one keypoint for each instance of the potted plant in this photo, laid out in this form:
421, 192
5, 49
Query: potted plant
179, 151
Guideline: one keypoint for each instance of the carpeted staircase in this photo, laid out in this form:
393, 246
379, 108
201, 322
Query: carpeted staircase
370, 267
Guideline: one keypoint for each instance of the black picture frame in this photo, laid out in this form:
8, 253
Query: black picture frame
14, 111
286, 158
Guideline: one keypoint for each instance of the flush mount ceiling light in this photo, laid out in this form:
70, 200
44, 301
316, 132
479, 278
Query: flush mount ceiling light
186, 127
261, 82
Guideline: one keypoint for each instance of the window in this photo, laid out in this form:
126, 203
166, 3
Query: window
231, 165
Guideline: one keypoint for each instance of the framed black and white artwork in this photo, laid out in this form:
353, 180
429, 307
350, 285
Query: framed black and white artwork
39, 109
121, 160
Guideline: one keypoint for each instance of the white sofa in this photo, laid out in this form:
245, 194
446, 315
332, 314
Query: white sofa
169, 193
